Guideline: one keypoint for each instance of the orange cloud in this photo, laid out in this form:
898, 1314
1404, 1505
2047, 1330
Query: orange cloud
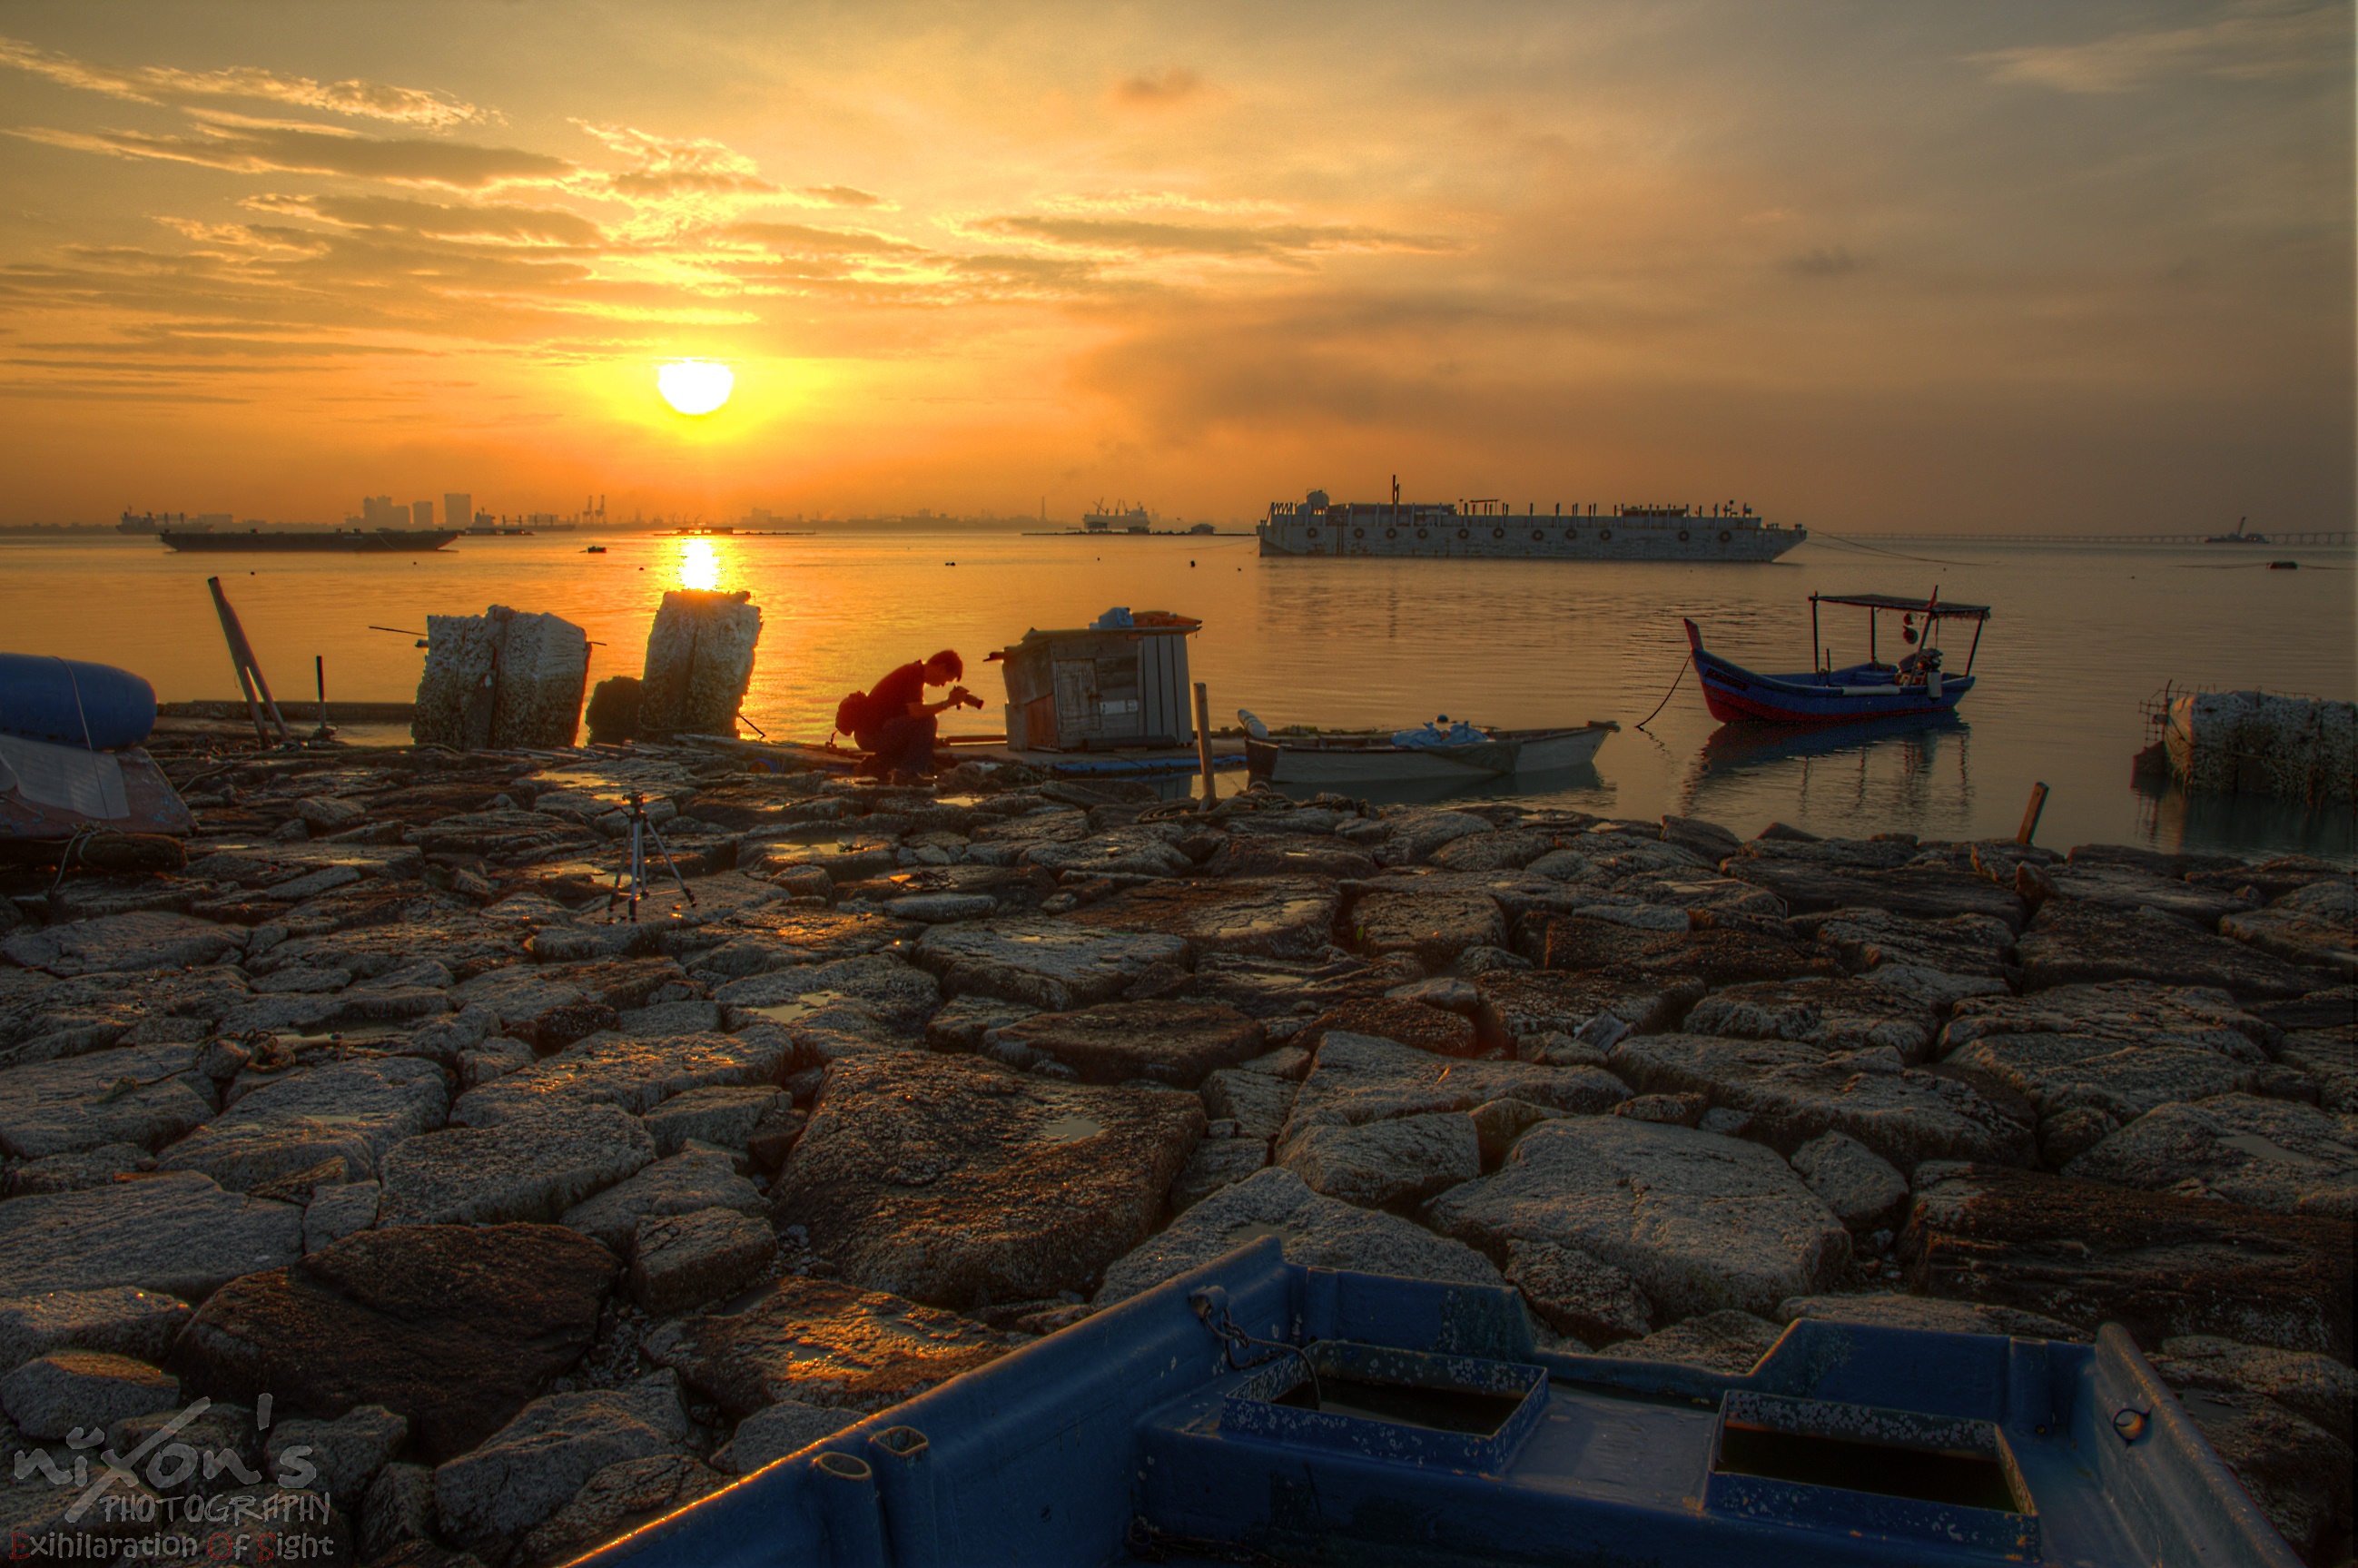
163, 84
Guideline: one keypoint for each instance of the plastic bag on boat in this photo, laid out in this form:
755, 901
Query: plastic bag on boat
1439, 732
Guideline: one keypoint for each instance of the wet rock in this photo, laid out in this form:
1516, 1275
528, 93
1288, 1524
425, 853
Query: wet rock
628, 1074
1399, 1160
451, 1327
1699, 1221
534, 1165
2130, 1011
1793, 1093
2124, 887
2070, 943
1500, 850
369, 1104
348, 1453
146, 939
1613, 1001
724, 1116
1217, 1162
51, 1395
679, 1261
74, 1173
519, 993
1918, 892
2331, 1058
770, 1434
1275, 987
822, 1342
142, 1095
1433, 928
1256, 1102
2318, 1388
174, 1232
895, 995
1281, 918
1173, 1043
1417, 833
615, 1500
2157, 1263
2270, 1154
1574, 1292
1726, 1341
961, 1025
120, 1320
955, 1183
699, 661
337, 1212
1012, 890
1054, 965
690, 1182
1132, 851
1403, 1022
1317, 1231
1834, 1015
1360, 1079
1864, 1193
1930, 1313
2317, 925
1245, 858
536, 1464
2297, 1473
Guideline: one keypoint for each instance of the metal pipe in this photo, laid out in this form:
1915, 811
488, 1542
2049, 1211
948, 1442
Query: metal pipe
904, 1479
847, 1501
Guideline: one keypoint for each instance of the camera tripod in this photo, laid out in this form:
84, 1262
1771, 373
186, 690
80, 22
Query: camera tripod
631, 877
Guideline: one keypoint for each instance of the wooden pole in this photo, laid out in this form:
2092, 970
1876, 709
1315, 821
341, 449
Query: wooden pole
233, 635
242, 652
2031, 813
1203, 744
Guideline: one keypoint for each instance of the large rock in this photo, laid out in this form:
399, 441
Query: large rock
2128, 887
346, 1453
1834, 1015
1699, 1221
2297, 1473
1144, 851
616, 1501
1403, 1022
895, 995
451, 1327
1052, 965
143, 1094
51, 1395
2329, 1057
1862, 1190
1618, 1000
625, 1074
1360, 1079
680, 1261
1868, 939
2316, 925
1402, 1160
351, 1111
2072, 943
1434, 927
1247, 859
2156, 1263
175, 1232
122, 1320
1283, 918
2084, 1088
535, 1464
2316, 1387
769, 1434
534, 1165
1174, 1042
1726, 1341
1256, 1102
2270, 1154
950, 1182
699, 662
1924, 893
1315, 1231
1277, 987
2131, 1012
690, 1182
822, 1342
1883, 1310
144, 939
506, 677
1793, 1093
1574, 1292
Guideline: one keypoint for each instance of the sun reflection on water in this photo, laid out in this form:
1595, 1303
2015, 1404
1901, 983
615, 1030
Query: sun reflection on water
699, 565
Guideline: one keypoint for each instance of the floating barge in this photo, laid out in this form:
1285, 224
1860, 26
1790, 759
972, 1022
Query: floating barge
340, 541
1256, 1410
1493, 530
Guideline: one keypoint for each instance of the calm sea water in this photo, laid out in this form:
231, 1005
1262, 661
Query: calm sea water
2080, 638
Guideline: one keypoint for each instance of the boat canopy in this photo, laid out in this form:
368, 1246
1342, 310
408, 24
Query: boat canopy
1937, 608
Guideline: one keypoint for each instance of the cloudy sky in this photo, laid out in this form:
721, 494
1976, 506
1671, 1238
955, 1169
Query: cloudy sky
2006, 266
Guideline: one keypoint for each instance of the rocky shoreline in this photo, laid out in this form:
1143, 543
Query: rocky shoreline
490, 1226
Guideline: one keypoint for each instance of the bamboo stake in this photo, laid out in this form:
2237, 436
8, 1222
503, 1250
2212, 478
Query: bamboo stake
1203, 744
2031, 813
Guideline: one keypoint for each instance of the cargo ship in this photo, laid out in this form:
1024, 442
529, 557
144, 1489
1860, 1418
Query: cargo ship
1493, 529
343, 541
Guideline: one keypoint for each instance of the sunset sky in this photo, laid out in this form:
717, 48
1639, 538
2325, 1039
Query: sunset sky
2005, 267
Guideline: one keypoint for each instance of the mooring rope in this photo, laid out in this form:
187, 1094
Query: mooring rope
1672, 692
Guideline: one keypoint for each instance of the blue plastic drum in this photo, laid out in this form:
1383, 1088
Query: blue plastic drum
73, 703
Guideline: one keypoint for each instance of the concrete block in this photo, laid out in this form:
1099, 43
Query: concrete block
506, 677
699, 662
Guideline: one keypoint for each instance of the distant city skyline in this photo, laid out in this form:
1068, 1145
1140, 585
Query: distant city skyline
2006, 267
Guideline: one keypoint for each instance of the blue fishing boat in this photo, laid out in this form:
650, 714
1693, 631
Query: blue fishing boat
1255, 1410
1918, 683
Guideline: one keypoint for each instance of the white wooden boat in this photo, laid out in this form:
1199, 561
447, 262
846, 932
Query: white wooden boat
1347, 760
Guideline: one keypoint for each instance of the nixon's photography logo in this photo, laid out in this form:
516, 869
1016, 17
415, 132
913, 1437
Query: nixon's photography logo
169, 1499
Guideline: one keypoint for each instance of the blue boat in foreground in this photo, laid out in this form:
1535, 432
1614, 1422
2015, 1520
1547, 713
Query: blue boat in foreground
1255, 1410
1917, 684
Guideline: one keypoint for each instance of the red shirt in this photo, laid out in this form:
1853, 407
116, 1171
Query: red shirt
893, 695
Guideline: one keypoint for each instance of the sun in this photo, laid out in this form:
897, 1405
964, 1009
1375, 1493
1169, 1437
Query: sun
695, 386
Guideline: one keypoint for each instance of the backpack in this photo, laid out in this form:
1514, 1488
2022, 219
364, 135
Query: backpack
855, 713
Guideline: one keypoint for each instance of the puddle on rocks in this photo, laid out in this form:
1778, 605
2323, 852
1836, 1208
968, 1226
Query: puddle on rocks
1254, 1229
2260, 1148
803, 1005
1068, 1129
